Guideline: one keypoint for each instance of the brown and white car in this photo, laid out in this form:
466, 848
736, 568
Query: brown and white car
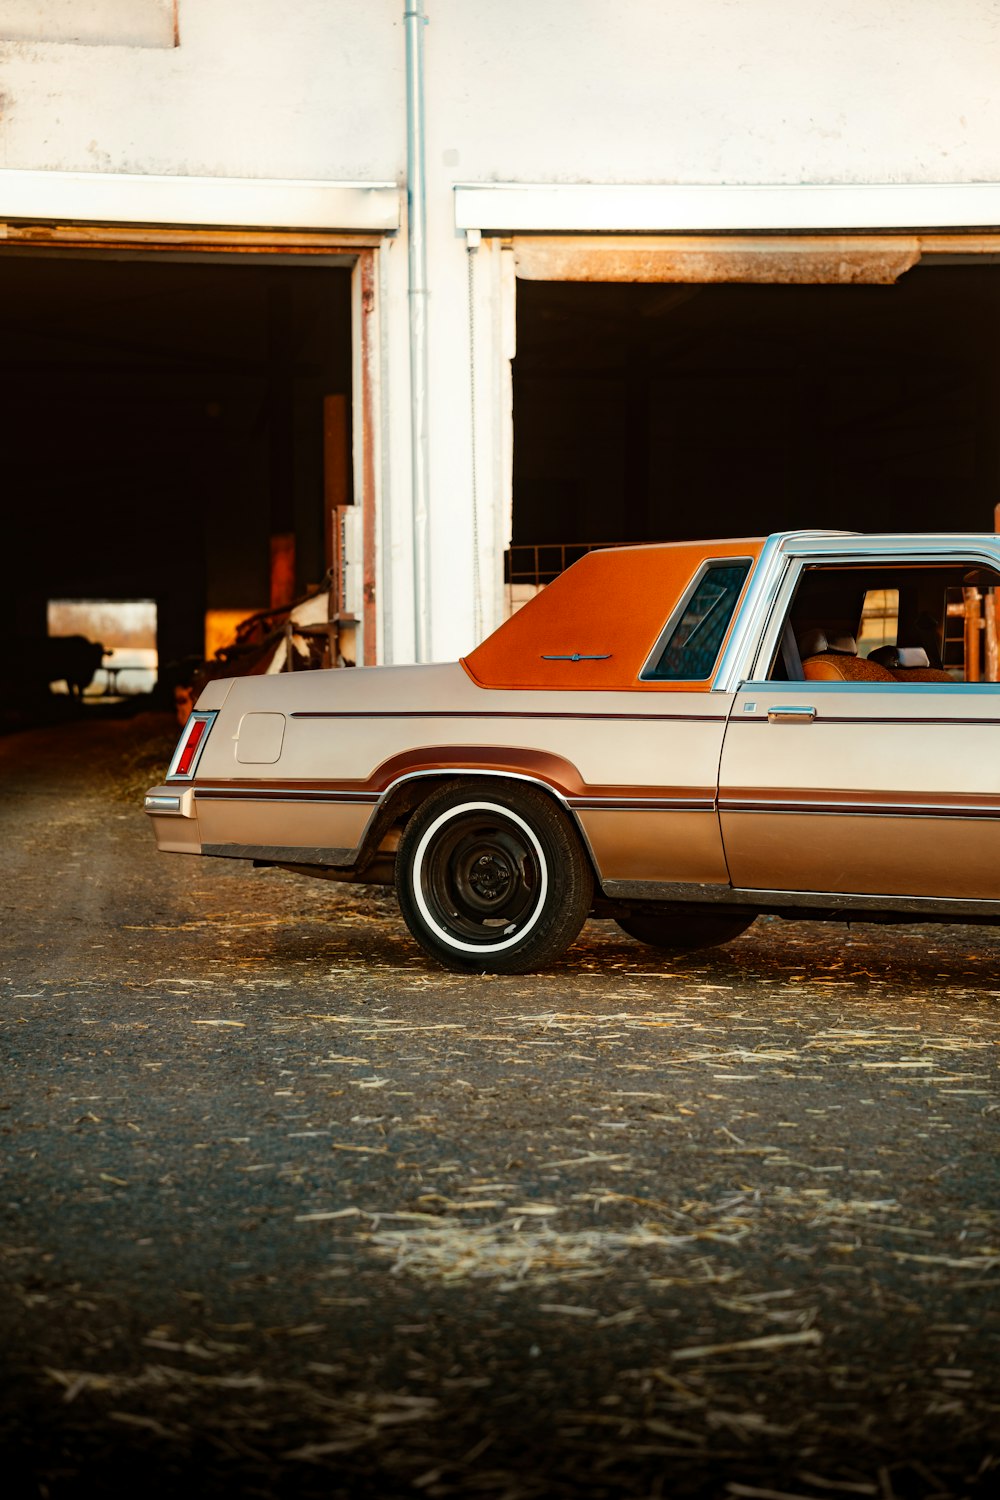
676, 736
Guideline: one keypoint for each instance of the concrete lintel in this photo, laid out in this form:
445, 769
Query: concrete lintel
656, 208
247, 202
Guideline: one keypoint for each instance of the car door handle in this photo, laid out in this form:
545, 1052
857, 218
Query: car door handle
791, 713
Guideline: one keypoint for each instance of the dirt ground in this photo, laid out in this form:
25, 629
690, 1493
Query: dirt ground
287, 1211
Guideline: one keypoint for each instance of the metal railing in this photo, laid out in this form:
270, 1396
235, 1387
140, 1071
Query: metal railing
537, 563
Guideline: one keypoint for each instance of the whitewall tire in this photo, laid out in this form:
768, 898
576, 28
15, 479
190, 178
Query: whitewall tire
492, 877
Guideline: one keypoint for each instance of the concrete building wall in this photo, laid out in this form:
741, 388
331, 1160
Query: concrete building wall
719, 91
255, 88
725, 92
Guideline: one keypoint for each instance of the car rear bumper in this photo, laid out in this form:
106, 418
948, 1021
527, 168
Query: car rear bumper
174, 818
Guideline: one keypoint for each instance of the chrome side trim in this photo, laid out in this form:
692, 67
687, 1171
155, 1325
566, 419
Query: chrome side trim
916, 908
644, 804
584, 715
375, 799
957, 812
281, 794
671, 890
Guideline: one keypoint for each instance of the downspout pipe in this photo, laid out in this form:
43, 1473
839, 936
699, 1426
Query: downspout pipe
414, 22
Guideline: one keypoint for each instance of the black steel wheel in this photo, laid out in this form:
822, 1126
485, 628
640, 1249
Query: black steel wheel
684, 931
491, 877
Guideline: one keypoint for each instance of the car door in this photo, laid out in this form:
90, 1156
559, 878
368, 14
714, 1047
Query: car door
864, 788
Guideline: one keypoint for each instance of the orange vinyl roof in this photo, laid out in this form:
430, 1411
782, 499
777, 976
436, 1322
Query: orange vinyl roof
613, 603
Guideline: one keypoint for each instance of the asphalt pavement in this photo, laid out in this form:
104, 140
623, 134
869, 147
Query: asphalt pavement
287, 1211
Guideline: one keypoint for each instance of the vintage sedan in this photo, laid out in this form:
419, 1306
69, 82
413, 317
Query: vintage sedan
678, 737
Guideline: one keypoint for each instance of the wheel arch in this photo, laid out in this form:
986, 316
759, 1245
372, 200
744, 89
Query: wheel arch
407, 787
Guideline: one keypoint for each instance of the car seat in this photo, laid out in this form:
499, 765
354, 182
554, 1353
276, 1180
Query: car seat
836, 659
909, 664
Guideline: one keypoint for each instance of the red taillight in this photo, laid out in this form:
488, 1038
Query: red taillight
195, 736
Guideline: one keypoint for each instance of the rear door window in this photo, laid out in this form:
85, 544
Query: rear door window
693, 639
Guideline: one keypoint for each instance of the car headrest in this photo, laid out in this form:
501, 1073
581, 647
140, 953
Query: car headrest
900, 656
816, 642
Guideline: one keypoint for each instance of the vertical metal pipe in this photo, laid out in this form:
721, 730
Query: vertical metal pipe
416, 202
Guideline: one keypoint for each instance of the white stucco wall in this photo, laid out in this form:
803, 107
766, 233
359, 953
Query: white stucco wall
256, 88
710, 91
537, 90
568, 91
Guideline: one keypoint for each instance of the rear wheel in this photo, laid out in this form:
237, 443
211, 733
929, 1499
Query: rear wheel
685, 930
492, 879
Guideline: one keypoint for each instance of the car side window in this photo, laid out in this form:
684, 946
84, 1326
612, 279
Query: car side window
694, 636
891, 622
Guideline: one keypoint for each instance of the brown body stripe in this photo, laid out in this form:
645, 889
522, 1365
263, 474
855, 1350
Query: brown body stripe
881, 804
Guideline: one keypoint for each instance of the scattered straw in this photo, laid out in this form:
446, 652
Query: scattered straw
513, 1252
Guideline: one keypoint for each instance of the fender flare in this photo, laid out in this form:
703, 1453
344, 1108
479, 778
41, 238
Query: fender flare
401, 774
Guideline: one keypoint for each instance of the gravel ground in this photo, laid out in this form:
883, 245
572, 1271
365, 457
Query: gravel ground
287, 1211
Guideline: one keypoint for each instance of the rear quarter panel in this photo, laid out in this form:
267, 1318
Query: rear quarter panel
638, 771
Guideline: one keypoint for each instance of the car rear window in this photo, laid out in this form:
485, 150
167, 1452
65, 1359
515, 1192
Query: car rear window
695, 635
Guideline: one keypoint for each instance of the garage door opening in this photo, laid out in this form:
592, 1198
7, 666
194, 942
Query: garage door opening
102, 648
661, 411
172, 426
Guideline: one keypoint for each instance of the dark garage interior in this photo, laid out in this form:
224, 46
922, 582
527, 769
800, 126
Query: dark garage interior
163, 420
658, 412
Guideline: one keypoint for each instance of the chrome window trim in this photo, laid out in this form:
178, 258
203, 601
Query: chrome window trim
677, 614
900, 688
754, 638
759, 595
769, 637
876, 547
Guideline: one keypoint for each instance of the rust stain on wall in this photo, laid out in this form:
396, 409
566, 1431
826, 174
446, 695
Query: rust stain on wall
810, 259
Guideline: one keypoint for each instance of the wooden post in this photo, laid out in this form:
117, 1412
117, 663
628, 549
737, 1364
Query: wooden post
990, 643
973, 626
282, 569
336, 464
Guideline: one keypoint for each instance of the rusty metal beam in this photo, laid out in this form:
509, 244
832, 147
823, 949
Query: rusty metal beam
14, 235
876, 260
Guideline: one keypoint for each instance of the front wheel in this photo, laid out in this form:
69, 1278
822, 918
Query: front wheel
492, 879
685, 931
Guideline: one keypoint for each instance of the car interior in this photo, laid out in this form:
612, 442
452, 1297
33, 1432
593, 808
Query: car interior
893, 624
